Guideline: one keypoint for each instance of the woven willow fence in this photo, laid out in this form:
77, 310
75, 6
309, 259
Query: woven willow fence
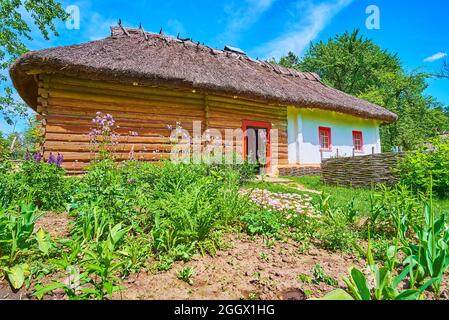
362, 171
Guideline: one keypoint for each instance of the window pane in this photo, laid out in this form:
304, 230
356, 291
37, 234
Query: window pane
358, 141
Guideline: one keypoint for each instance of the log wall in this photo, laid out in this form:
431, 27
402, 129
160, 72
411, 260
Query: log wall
68, 105
361, 171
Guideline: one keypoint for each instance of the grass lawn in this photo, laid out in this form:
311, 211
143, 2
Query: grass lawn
340, 195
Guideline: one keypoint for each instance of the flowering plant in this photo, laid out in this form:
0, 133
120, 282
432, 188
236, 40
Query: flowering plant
38, 157
291, 205
103, 137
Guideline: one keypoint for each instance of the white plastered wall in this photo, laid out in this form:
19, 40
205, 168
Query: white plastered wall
303, 139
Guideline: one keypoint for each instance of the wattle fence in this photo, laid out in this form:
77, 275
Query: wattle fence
361, 171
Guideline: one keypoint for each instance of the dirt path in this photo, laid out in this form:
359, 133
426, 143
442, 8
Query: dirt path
300, 187
287, 183
248, 270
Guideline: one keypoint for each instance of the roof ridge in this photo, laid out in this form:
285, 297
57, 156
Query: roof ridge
275, 68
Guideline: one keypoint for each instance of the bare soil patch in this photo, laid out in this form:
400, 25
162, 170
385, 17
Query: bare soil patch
243, 273
57, 224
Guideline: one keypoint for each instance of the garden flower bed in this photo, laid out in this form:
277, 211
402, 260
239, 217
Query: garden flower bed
290, 204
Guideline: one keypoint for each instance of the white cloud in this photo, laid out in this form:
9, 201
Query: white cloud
435, 57
96, 27
314, 18
240, 19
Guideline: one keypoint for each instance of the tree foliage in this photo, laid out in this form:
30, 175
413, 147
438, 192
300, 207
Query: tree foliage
444, 73
358, 66
14, 29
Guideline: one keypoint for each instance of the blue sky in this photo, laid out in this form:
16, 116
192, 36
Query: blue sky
416, 30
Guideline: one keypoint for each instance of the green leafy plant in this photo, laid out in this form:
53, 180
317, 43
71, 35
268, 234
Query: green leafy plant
429, 160
99, 266
385, 286
305, 279
18, 242
320, 275
263, 222
186, 274
430, 256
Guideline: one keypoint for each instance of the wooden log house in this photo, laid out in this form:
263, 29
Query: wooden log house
149, 82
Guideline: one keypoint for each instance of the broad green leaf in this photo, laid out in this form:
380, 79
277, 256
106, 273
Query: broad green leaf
362, 285
428, 284
438, 265
381, 277
398, 279
41, 292
391, 252
17, 274
352, 288
43, 241
117, 233
428, 259
427, 214
439, 224
408, 295
369, 253
338, 294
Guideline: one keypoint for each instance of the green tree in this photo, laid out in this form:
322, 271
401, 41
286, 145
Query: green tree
358, 66
13, 31
289, 61
444, 73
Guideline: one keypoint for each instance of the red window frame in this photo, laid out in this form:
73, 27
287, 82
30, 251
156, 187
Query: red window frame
329, 133
354, 138
261, 125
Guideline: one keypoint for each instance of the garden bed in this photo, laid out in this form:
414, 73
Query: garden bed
135, 230
249, 269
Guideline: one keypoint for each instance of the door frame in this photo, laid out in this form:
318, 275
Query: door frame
260, 125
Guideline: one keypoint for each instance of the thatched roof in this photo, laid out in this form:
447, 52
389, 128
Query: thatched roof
130, 55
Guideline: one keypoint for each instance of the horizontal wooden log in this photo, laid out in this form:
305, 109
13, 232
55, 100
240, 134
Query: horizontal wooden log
85, 138
66, 107
87, 147
55, 79
117, 94
113, 108
132, 116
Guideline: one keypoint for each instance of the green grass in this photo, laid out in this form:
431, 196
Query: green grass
340, 195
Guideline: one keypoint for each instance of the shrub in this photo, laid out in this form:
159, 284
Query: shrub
334, 235
46, 185
263, 222
5, 165
188, 205
392, 206
41, 183
181, 206
416, 167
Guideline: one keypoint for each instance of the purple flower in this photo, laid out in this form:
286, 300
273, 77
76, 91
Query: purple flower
59, 159
37, 157
51, 159
27, 156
